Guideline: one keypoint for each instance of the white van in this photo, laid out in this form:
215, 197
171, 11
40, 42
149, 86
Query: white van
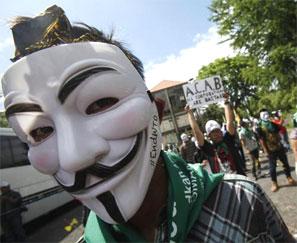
41, 193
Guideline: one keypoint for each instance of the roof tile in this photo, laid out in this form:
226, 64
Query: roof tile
166, 84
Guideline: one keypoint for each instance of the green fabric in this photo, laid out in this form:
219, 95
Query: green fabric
222, 146
271, 135
268, 125
247, 133
189, 187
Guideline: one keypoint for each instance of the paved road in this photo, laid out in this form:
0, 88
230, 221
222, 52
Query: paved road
57, 226
285, 199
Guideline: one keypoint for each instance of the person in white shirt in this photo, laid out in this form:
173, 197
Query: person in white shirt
249, 142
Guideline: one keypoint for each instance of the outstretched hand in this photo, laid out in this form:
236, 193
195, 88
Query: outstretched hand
226, 96
187, 108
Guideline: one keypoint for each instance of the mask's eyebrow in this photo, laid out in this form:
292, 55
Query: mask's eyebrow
22, 107
69, 85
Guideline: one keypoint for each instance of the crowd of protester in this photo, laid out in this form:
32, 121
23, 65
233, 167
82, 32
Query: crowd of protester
220, 148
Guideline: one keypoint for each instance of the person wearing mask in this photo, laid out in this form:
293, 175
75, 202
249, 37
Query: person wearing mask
271, 143
187, 149
78, 99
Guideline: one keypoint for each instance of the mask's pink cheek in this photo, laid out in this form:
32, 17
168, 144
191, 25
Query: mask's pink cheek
44, 163
130, 119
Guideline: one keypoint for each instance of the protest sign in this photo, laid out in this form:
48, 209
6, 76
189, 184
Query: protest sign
204, 92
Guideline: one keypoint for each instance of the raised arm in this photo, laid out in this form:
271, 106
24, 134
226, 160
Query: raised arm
229, 114
194, 125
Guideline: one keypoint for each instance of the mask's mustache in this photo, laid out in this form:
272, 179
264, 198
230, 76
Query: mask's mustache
111, 206
102, 171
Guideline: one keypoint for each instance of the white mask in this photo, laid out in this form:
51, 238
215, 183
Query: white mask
264, 115
84, 111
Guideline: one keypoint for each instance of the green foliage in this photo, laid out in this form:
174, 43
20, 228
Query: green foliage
285, 100
257, 26
283, 65
232, 71
3, 120
266, 30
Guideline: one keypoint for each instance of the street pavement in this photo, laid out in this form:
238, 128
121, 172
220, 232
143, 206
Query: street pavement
57, 226
285, 199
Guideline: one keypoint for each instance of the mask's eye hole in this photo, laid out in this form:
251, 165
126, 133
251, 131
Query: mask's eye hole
101, 105
41, 133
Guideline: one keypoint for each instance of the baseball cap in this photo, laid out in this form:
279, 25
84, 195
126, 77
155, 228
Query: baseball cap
184, 137
211, 125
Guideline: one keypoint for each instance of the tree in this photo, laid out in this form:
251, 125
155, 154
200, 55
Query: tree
212, 112
232, 72
284, 100
263, 29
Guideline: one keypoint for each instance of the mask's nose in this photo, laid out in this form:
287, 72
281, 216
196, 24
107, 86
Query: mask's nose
79, 147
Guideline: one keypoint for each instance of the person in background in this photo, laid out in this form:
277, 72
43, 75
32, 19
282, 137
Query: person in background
79, 100
255, 129
249, 142
278, 120
222, 149
187, 149
173, 148
271, 142
194, 140
224, 128
165, 147
200, 157
239, 147
11, 214
168, 147
293, 138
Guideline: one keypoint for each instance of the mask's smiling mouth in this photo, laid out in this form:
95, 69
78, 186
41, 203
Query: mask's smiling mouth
99, 170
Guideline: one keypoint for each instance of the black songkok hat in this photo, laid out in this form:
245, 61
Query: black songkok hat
49, 28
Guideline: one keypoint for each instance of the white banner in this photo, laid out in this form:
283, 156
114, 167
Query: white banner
204, 92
